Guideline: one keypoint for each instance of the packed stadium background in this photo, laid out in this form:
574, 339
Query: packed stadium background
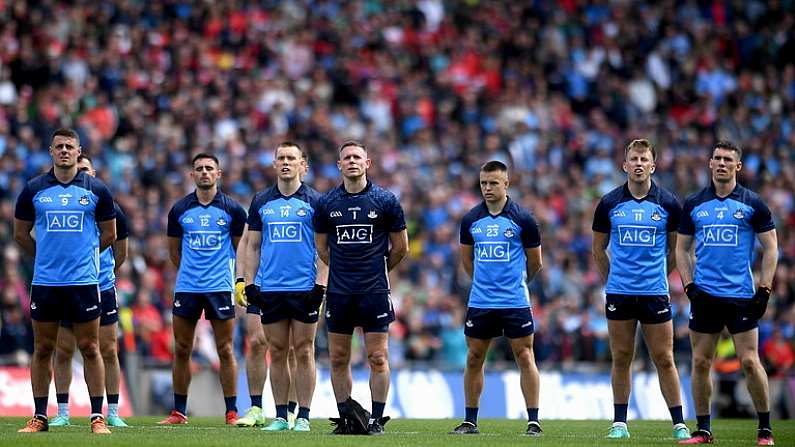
553, 89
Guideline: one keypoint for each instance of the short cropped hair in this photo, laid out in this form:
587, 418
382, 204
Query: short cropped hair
201, 155
641, 144
82, 157
288, 143
350, 143
494, 165
729, 146
66, 132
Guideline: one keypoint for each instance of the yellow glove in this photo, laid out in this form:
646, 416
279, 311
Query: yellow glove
240, 292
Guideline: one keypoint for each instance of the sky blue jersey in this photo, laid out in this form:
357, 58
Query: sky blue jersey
499, 279
107, 263
207, 262
288, 260
725, 230
638, 246
65, 220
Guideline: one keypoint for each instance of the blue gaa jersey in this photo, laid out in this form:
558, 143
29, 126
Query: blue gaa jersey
65, 220
638, 246
724, 230
107, 263
207, 261
287, 256
499, 278
358, 227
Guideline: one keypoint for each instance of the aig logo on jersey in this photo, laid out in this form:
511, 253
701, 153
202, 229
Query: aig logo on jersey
493, 252
204, 240
284, 232
720, 235
636, 235
355, 234
64, 221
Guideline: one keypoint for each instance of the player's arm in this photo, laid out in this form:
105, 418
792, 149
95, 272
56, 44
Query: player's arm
175, 250
119, 253
322, 273
240, 254
684, 262
599, 249
769, 242
107, 233
253, 248
466, 258
22, 229
398, 247
321, 245
670, 257
534, 262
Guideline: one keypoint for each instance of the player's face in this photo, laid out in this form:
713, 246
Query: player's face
353, 162
639, 165
85, 165
288, 163
724, 165
494, 185
205, 173
64, 151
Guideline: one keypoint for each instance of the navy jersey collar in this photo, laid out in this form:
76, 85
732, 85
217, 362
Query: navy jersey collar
735, 192
652, 192
53, 180
508, 203
194, 198
364, 191
298, 192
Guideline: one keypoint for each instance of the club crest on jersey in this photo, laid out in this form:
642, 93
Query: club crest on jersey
372, 214
83, 201
655, 216
301, 212
738, 214
508, 233
221, 222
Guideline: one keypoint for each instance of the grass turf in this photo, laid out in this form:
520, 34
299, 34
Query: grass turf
401, 432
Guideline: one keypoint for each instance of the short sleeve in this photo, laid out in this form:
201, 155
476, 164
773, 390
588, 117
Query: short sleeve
686, 225
671, 205
254, 220
395, 221
174, 227
238, 220
24, 209
531, 236
601, 218
762, 219
105, 206
465, 237
122, 228
321, 219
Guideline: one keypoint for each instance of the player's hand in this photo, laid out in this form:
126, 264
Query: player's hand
759, 301
253, 296
240, 292
693, 292
316, 296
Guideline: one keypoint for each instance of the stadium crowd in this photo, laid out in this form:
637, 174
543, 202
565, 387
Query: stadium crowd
554, 89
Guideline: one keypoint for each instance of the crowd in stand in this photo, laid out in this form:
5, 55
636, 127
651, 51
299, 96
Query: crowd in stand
434, 89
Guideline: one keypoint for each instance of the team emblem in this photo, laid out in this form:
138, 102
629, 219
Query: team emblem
508, 233
655, 216
221, 222
738, 214
83, 201
301, 212
372, 214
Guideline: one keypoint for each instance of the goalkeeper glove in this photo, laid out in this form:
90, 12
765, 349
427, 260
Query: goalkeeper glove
240, 292
316, 296
692, 292
759, 302
253, 296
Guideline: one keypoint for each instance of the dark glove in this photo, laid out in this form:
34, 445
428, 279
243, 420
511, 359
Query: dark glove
316, 296
253, 296
759, 302
693, 292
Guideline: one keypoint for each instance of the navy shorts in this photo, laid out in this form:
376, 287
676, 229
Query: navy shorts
648, 309
110, 309
345, 312
216, 305
73, 303
709, 314
278, 306
486, 324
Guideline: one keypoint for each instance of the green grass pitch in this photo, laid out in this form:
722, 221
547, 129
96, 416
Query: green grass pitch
399, 433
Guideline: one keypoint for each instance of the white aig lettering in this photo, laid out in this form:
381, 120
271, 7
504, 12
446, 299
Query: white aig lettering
636, 235
284, 232
493, 252
354, 234
64, 221
204, 240
720, 235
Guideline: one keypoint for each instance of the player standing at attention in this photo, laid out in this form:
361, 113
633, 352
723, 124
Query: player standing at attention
360, 233
501, 251
285, 282
723, 218
110, 261
638, 221
204, 228
65, 207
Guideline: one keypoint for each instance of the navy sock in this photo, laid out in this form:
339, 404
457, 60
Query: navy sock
96, 404
303, 412
231, 403
291, 406
281, 411
471, 415
676, 415
40, 403
113, 399
764, 419
532, 414
256, 400
703, 422
620, 412
62, 398
340, 408
378, 410
181, 403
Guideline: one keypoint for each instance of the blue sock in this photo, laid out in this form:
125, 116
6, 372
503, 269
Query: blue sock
340, 408
303, 412
181, 403
231, 403
620, 412
471, 415
676, 415
532, 414
764, 419
291, 406
96, 404
113, 405
281, 411
703, 422
256, 400
378, 410
40, 403
63, 404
